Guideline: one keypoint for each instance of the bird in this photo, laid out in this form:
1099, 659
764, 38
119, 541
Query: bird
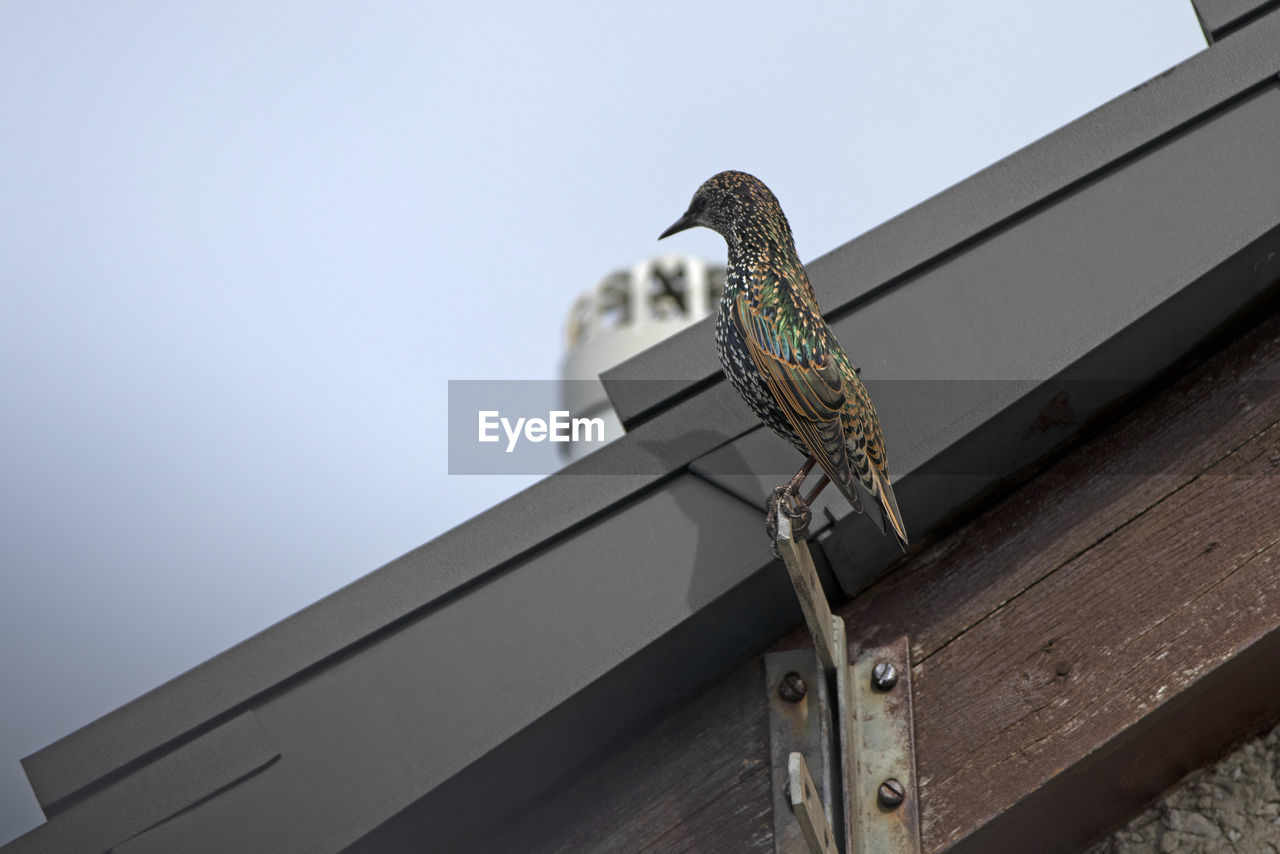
779, 353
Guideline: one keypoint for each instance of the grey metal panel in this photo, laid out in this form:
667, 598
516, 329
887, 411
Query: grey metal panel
1219, 17
199, 770
928, 233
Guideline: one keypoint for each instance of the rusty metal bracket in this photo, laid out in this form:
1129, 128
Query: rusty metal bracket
862, 745
880, 776
799, 722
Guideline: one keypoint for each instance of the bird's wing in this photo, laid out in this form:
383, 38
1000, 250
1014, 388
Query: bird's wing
797, 363
792, 356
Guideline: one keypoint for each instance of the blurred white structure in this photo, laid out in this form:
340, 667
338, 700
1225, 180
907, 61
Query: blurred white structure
629, 311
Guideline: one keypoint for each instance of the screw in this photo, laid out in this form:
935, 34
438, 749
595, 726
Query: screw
792, 688
884, 676
891, 794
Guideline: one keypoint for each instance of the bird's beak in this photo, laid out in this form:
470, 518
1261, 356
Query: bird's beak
686, 221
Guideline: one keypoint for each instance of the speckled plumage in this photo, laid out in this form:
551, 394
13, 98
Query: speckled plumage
778, 352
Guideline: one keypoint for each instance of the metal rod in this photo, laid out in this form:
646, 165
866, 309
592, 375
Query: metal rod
808, 809
813, 601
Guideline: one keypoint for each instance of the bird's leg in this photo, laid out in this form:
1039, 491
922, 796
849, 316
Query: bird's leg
797, 507
789, 491
795, 482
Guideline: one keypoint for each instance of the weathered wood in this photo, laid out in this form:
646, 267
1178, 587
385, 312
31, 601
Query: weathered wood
1077, 647
1075, 661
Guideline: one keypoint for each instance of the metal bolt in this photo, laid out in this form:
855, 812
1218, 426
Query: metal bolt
792, 688
884, 676
891, 794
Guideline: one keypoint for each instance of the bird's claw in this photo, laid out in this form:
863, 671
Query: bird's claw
797, 510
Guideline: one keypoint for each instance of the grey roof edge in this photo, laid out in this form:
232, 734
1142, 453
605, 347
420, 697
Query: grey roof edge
1220, 18
927, 233
199, 769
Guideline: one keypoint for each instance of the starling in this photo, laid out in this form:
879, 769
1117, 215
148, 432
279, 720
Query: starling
777, 350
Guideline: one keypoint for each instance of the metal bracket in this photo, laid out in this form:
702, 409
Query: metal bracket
813, 602
880, 777
799, 723
868, 768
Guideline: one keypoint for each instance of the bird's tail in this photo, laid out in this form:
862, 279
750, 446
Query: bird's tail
889, 507
877, 501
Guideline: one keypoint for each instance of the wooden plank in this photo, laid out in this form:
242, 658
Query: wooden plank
1077, 648
1056, 675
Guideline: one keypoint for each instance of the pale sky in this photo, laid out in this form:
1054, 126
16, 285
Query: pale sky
246, 245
